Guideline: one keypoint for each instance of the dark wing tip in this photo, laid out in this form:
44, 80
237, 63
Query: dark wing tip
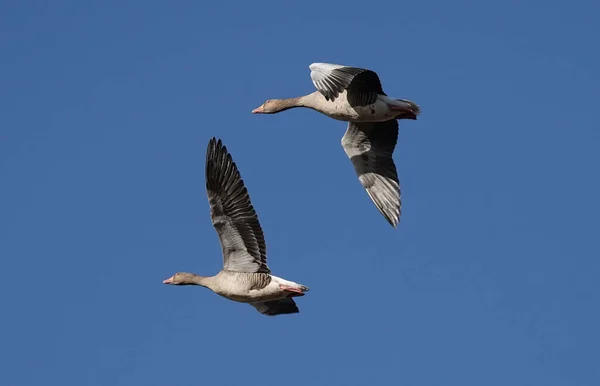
221, 170
284, 306
388, 207
215, 147
393, 221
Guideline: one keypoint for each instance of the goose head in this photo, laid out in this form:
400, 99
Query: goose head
182, 278
273, 106
269, 107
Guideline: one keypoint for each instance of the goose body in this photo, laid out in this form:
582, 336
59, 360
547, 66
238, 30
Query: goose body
355, 95
247, 287
245, 276
342, 110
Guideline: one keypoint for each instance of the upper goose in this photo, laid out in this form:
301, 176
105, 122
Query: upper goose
355, 95
245, 276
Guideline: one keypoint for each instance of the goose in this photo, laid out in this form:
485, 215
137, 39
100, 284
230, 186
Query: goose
355, 95
245, 276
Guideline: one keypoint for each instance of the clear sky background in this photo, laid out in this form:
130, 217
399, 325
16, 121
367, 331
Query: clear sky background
491, 278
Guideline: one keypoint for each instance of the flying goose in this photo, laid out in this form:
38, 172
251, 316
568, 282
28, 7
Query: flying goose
355, 95
245, 276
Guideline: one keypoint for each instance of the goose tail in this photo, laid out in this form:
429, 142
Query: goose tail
410, 110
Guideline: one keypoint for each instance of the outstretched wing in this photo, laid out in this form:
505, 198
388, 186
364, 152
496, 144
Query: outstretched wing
232, 213
370, 146
277, 307
362, 85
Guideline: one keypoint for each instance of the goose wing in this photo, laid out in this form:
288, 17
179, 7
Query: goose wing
277, 307
232, 213
370, 145
362, 85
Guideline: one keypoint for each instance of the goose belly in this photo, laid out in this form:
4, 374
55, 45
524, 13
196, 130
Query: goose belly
376, 112
341, 110
270, 292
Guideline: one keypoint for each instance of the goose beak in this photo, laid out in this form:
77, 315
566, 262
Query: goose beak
168, 281
258, 110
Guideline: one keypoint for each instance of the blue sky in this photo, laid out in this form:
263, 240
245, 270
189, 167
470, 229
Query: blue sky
491, 277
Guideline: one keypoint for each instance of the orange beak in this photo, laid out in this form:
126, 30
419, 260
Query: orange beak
168, 281
259, 110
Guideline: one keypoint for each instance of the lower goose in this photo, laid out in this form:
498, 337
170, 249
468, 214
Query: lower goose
355, 95
245, 276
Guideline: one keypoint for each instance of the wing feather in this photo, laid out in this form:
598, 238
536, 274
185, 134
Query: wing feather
370, 146
277, 307
232, 213
362, 85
